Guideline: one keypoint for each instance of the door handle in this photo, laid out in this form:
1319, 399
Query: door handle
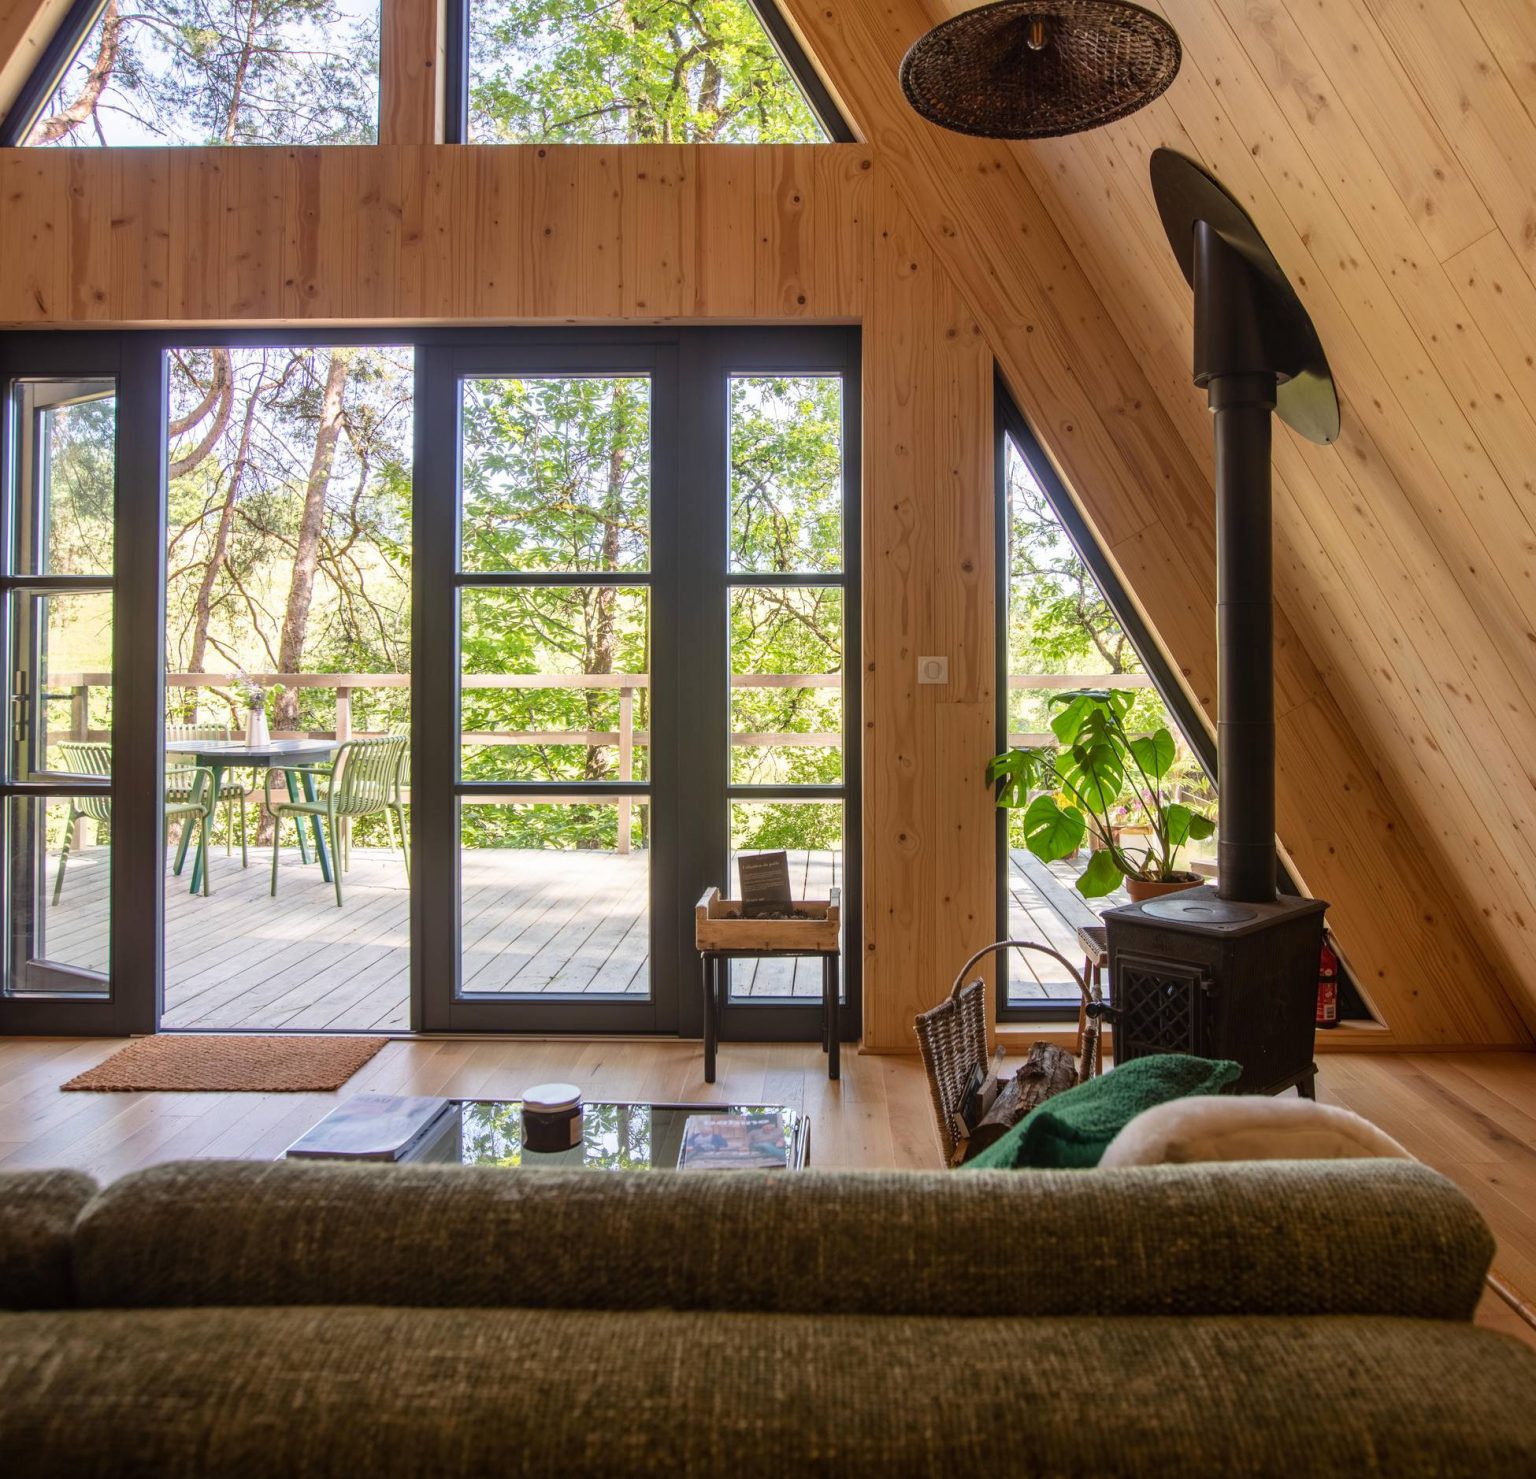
21, 706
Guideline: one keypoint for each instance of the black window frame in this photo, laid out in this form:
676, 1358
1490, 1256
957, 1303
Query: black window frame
1009, 423
64, 45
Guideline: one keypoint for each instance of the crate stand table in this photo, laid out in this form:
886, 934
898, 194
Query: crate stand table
722, 933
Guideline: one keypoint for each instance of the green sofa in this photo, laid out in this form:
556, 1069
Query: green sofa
250, 1319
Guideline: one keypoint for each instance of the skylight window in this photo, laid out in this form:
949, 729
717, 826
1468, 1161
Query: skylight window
630, 72
220, 72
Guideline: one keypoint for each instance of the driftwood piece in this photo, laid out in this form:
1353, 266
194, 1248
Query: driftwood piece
1045, 1072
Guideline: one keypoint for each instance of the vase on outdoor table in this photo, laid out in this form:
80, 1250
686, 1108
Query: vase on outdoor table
256, 732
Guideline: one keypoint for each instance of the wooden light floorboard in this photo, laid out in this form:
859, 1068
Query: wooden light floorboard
1470, 1115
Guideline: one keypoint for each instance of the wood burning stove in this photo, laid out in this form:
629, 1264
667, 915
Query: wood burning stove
1230, 971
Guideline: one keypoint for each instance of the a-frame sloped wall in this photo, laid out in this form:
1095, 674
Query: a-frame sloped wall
1399, 785
1385, 147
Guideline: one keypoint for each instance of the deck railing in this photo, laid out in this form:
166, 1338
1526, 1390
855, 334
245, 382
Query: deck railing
626, 737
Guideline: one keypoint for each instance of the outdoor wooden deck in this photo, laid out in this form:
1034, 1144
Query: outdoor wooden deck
1044, 905
533, 923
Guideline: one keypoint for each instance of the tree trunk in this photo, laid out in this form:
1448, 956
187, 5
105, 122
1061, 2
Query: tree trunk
605, 599
306, 557
242, 67
220, 392
67, 120
708, 111
202, 605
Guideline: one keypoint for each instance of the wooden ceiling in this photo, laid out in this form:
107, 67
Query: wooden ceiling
1384, 148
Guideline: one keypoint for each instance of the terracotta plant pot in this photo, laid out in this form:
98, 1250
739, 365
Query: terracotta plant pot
1142, 889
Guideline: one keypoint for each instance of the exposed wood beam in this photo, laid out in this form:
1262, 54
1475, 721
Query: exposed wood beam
411, 53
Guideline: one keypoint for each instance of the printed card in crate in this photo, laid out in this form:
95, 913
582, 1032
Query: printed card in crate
765, 891
735, 1142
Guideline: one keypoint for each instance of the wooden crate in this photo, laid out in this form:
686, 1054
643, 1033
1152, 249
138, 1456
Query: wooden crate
719, 925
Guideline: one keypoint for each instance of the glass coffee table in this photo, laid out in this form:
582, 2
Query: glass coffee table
488, 1132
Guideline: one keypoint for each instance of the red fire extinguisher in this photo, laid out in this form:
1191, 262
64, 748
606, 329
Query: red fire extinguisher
1327, 987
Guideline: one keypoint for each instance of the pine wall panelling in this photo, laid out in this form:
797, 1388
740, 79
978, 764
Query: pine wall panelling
411, 56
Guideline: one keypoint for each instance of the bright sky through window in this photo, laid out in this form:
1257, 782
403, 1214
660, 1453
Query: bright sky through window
221, 72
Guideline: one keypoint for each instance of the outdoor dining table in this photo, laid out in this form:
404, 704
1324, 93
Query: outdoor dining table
218, 756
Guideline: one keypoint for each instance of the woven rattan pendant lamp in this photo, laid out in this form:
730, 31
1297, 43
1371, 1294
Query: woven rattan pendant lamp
1022, 70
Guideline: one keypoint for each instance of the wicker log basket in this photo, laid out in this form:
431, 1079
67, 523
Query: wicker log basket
972, 1106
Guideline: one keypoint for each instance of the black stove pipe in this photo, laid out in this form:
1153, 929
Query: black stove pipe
1234, 363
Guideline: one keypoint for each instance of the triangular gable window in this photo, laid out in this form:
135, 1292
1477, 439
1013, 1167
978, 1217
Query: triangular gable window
1067, 625
639, 72
218, 72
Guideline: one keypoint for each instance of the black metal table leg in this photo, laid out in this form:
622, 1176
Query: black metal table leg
711, 1027
829, 1012
826, 1016
722, 991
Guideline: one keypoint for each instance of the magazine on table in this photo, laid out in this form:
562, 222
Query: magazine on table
735, 1142
374, 1127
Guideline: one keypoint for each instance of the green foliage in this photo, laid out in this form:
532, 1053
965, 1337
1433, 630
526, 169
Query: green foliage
786, 824
629, 72
786, 473
82, 474
1052, 830
1100, 778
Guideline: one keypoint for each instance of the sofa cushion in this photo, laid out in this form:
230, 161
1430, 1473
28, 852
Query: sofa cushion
1247, 1127
1074, 1128
37, 1218
447, 1393
1343, 1237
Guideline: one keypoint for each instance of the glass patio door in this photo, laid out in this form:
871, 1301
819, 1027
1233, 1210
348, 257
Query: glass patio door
636, 597
59, 616
544, 763
75, 960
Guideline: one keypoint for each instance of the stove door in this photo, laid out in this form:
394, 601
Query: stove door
1162, 1006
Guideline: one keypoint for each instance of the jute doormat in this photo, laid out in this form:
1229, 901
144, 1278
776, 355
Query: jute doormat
217, 1065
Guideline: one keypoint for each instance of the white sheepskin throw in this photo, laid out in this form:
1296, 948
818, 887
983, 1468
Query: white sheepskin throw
1246, 1127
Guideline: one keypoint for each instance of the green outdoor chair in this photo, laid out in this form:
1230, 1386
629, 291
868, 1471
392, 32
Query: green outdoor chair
365, 780
188, 798
231, 791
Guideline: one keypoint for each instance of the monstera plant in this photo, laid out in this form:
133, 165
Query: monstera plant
1099, 773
